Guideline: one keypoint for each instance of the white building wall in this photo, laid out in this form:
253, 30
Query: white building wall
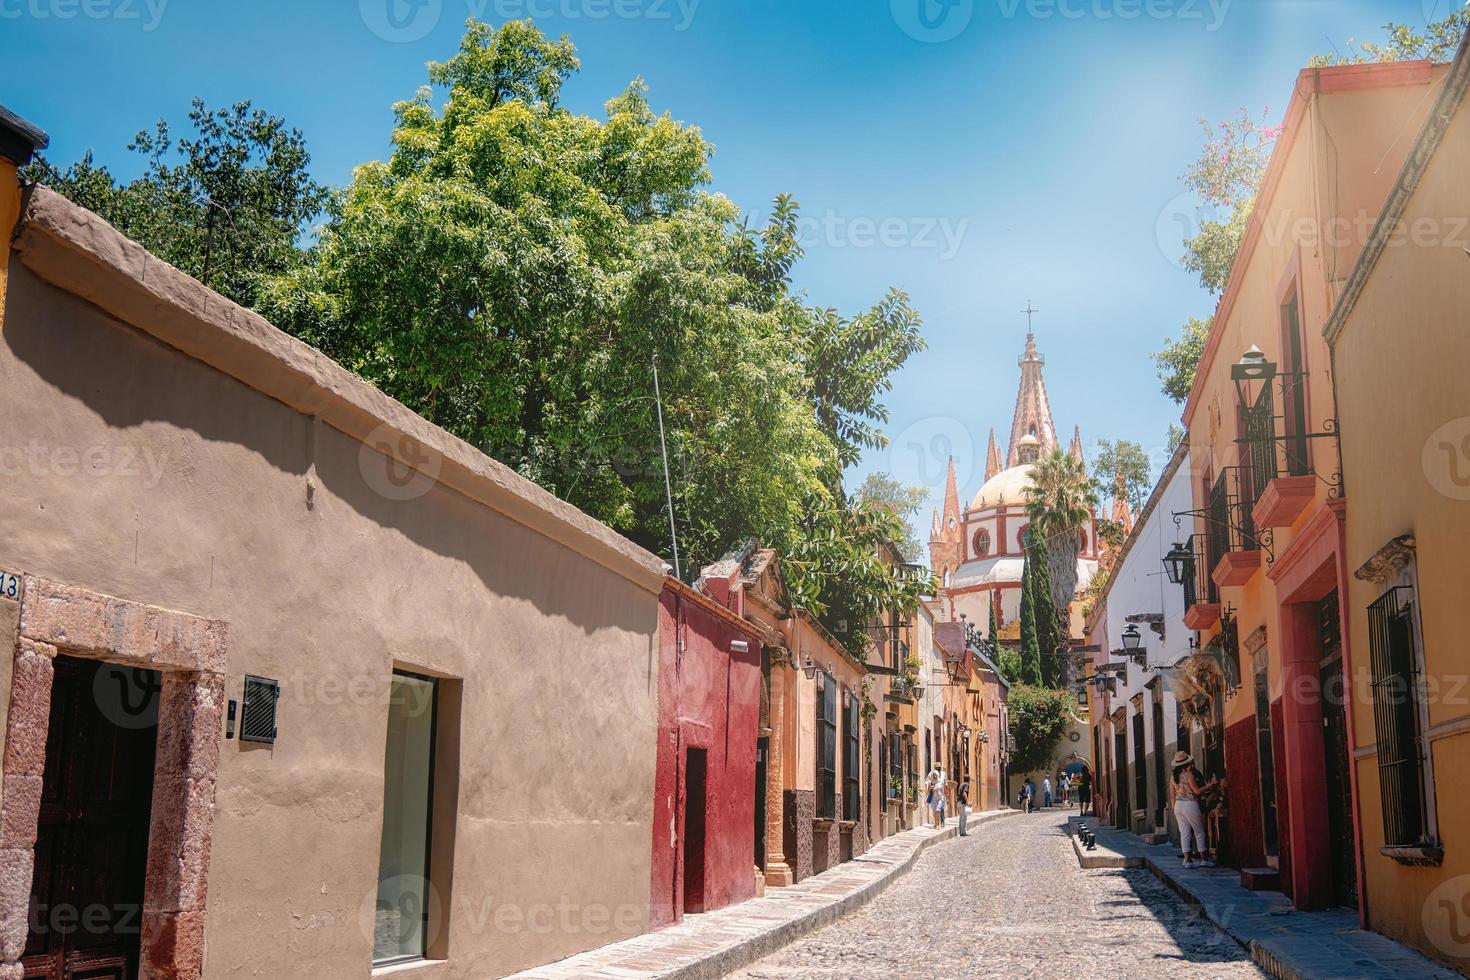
1139, 586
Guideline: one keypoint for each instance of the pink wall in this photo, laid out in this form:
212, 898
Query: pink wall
708, 698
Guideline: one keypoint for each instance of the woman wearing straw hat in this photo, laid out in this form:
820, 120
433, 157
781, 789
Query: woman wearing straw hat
1186, 789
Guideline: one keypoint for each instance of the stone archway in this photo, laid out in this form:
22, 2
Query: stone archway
189, 654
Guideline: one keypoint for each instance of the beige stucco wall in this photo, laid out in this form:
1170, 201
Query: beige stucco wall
151, 476
1401, 359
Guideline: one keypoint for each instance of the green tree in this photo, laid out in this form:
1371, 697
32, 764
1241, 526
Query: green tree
1402, 43
1049, 622
1039, 717
1058, 500
1226, 177
882, 490
1125, 457
513, 268
1180, 358
1028, 665
228, 203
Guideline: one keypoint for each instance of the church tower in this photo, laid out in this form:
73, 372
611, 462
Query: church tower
946, 533
1033, 433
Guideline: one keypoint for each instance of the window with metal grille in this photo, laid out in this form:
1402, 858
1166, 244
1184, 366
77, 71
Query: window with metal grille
1396, 717
852, 761
884, 774
827, 746
258, 717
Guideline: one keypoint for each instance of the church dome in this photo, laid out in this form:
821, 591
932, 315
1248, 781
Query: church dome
1006, 487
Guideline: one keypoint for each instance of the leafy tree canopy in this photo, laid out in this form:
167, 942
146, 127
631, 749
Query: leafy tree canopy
1437, 42
1128, 458
228, 204
882, 490
513, 268
1039, 718
1179, 359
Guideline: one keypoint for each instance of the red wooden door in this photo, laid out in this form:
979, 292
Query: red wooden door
92, 848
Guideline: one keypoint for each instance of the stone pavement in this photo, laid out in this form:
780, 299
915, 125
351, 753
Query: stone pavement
1009, 901
713, 944
1287, 943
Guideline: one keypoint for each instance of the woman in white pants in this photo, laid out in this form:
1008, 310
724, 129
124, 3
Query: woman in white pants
1186, 788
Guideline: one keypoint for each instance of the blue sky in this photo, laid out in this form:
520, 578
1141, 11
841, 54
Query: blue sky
976, 153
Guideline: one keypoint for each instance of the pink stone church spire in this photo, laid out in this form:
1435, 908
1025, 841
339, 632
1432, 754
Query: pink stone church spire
1033, 408
1075, 450
992, 458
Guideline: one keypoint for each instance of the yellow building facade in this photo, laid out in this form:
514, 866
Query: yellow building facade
1400, 343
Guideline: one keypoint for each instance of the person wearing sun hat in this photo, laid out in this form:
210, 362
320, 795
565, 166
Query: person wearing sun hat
1185, 788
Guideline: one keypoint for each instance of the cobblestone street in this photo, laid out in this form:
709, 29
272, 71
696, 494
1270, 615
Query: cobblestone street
1010, 901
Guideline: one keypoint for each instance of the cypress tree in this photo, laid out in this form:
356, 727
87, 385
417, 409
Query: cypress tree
1030, 640
1050, 636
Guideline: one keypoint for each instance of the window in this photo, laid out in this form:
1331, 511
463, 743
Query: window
400, 926
827, 746
1140, 760
851, 763
981, 542
1396, 716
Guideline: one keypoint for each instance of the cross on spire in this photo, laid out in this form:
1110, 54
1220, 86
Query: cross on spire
1028, 311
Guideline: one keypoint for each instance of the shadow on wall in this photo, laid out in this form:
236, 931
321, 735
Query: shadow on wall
129, 380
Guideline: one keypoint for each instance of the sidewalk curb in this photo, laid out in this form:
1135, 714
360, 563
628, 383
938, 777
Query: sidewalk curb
1277, 963
720, 955
725, 961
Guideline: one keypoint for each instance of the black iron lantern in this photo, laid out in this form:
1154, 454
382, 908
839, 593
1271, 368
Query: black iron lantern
809, 668
1176, 563
1252, 366
1132, 639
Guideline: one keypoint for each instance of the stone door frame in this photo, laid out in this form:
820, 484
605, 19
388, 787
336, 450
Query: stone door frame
189, 654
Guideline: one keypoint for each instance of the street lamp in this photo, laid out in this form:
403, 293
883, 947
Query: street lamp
809, 668
1176, 563
1132, 639
1252, 366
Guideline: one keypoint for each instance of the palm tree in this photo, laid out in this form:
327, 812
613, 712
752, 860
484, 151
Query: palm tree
1059, 504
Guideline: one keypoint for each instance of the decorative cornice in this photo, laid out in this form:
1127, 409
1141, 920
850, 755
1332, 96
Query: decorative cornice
1387, 562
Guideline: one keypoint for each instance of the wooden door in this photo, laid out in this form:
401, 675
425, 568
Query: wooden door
1335, 755
92, 846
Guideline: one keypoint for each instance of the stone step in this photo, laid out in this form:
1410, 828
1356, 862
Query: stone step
1261, 879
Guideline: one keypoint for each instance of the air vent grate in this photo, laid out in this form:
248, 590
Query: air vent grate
258, 717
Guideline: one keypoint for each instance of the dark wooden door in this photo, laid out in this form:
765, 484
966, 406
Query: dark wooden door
1335, 756
1122, 815
92, 847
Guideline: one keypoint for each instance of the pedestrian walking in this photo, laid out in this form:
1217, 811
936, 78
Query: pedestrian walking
935, 796
1084, 790
1185, 788
962, 803
1046, 792
1030, 795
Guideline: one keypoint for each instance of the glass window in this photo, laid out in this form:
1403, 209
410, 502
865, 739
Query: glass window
404, 895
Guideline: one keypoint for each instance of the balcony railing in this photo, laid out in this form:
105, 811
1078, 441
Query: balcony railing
1198, 585
1231, 524
1281, 457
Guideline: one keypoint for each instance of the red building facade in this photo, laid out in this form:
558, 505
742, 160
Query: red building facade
709, 681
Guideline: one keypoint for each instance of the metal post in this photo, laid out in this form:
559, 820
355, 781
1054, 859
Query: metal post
664, 450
